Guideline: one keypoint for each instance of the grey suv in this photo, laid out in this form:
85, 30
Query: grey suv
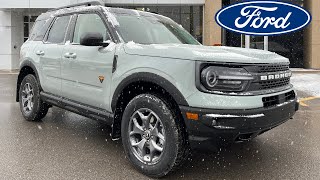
162, 92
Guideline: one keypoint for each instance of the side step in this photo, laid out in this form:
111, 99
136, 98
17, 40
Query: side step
78, 108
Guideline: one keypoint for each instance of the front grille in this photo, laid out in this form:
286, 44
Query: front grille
273, 68
274, 83
265, 70
278, 99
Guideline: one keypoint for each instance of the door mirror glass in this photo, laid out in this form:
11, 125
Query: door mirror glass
91, 39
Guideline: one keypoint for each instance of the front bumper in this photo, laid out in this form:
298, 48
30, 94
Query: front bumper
216, 126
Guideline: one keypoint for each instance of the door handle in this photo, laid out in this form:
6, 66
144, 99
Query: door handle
40, 53
70, 55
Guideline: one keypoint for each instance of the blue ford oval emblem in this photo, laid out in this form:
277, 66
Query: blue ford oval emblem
263, 18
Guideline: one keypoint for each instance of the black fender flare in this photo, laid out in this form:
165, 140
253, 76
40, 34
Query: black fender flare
26, 63
152, 78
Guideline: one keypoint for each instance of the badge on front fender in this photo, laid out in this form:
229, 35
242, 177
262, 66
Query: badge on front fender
264, 18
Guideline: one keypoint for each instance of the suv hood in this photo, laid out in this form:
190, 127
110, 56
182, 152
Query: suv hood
204, 53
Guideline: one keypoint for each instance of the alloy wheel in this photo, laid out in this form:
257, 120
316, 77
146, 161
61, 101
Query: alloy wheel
146, 135
27, 98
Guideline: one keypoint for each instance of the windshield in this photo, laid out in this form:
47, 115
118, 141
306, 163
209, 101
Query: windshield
152, 30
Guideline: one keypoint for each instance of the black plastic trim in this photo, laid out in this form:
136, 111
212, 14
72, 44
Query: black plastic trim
26, 63
77, 107
114, 63
228, 124
153, 78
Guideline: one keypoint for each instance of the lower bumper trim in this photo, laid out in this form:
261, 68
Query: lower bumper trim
237, 125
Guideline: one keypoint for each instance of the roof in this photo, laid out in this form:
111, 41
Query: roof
57, 12
75, 9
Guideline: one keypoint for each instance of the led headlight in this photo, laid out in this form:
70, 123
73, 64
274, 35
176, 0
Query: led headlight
225, 79
210, 78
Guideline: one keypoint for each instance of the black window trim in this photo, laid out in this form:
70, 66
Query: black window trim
45, 39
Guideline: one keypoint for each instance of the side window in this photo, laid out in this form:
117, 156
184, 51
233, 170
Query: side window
89, 23
39, 29
36, 28
58, 30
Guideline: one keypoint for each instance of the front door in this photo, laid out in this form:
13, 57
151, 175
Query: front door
86, 70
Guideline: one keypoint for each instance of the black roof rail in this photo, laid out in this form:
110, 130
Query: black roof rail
89, 3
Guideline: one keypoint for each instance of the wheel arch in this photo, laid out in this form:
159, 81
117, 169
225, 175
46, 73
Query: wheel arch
27, 67
138, 83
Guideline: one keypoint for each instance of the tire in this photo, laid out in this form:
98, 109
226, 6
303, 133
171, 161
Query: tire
31, 106
166, 135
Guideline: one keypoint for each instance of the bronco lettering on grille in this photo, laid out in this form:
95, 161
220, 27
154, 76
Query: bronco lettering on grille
275, 76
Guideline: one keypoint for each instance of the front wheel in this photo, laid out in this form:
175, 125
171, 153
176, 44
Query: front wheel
152, 136
31, 106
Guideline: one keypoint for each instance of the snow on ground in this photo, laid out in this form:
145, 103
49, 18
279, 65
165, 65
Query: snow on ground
308, 83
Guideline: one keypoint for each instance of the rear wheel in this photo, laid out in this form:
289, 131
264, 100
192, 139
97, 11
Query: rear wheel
152, 136
31, 106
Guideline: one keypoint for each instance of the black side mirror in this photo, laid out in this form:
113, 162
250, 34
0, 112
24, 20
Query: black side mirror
93, 39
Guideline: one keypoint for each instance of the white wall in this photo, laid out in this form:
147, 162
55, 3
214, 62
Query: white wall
16, 38
11, 36
5, 36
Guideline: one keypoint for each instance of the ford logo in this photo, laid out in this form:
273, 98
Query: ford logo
263, 18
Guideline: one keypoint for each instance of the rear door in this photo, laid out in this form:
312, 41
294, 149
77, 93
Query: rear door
50, 53
87, 70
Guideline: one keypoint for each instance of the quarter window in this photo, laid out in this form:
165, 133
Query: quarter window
89, 23
58, 30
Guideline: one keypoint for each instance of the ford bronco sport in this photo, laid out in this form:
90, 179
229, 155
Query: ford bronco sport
160, 90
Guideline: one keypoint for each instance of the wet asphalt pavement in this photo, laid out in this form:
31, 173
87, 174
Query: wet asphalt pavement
68, 146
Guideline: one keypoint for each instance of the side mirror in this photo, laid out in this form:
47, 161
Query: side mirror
93, 39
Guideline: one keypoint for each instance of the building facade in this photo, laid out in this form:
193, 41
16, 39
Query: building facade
196, 16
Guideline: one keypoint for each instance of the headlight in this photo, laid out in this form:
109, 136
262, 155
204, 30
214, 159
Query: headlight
225, 79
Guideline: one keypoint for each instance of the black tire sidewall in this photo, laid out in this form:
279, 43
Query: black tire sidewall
170, 151
36, 97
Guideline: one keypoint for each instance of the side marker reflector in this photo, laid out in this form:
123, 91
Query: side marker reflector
192, 116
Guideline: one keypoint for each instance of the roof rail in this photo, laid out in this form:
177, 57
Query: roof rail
89, 3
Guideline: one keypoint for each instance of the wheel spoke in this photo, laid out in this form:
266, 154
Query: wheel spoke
26, 89
152, 152
140, 115
25, 108
141, 144
29, 88
137, 129
154, 128
155, 132
145, 119
29, 105
148, 120
160, 136
24, 100
155, 146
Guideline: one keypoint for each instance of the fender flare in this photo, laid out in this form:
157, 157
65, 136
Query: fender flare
26, 63
152, 78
